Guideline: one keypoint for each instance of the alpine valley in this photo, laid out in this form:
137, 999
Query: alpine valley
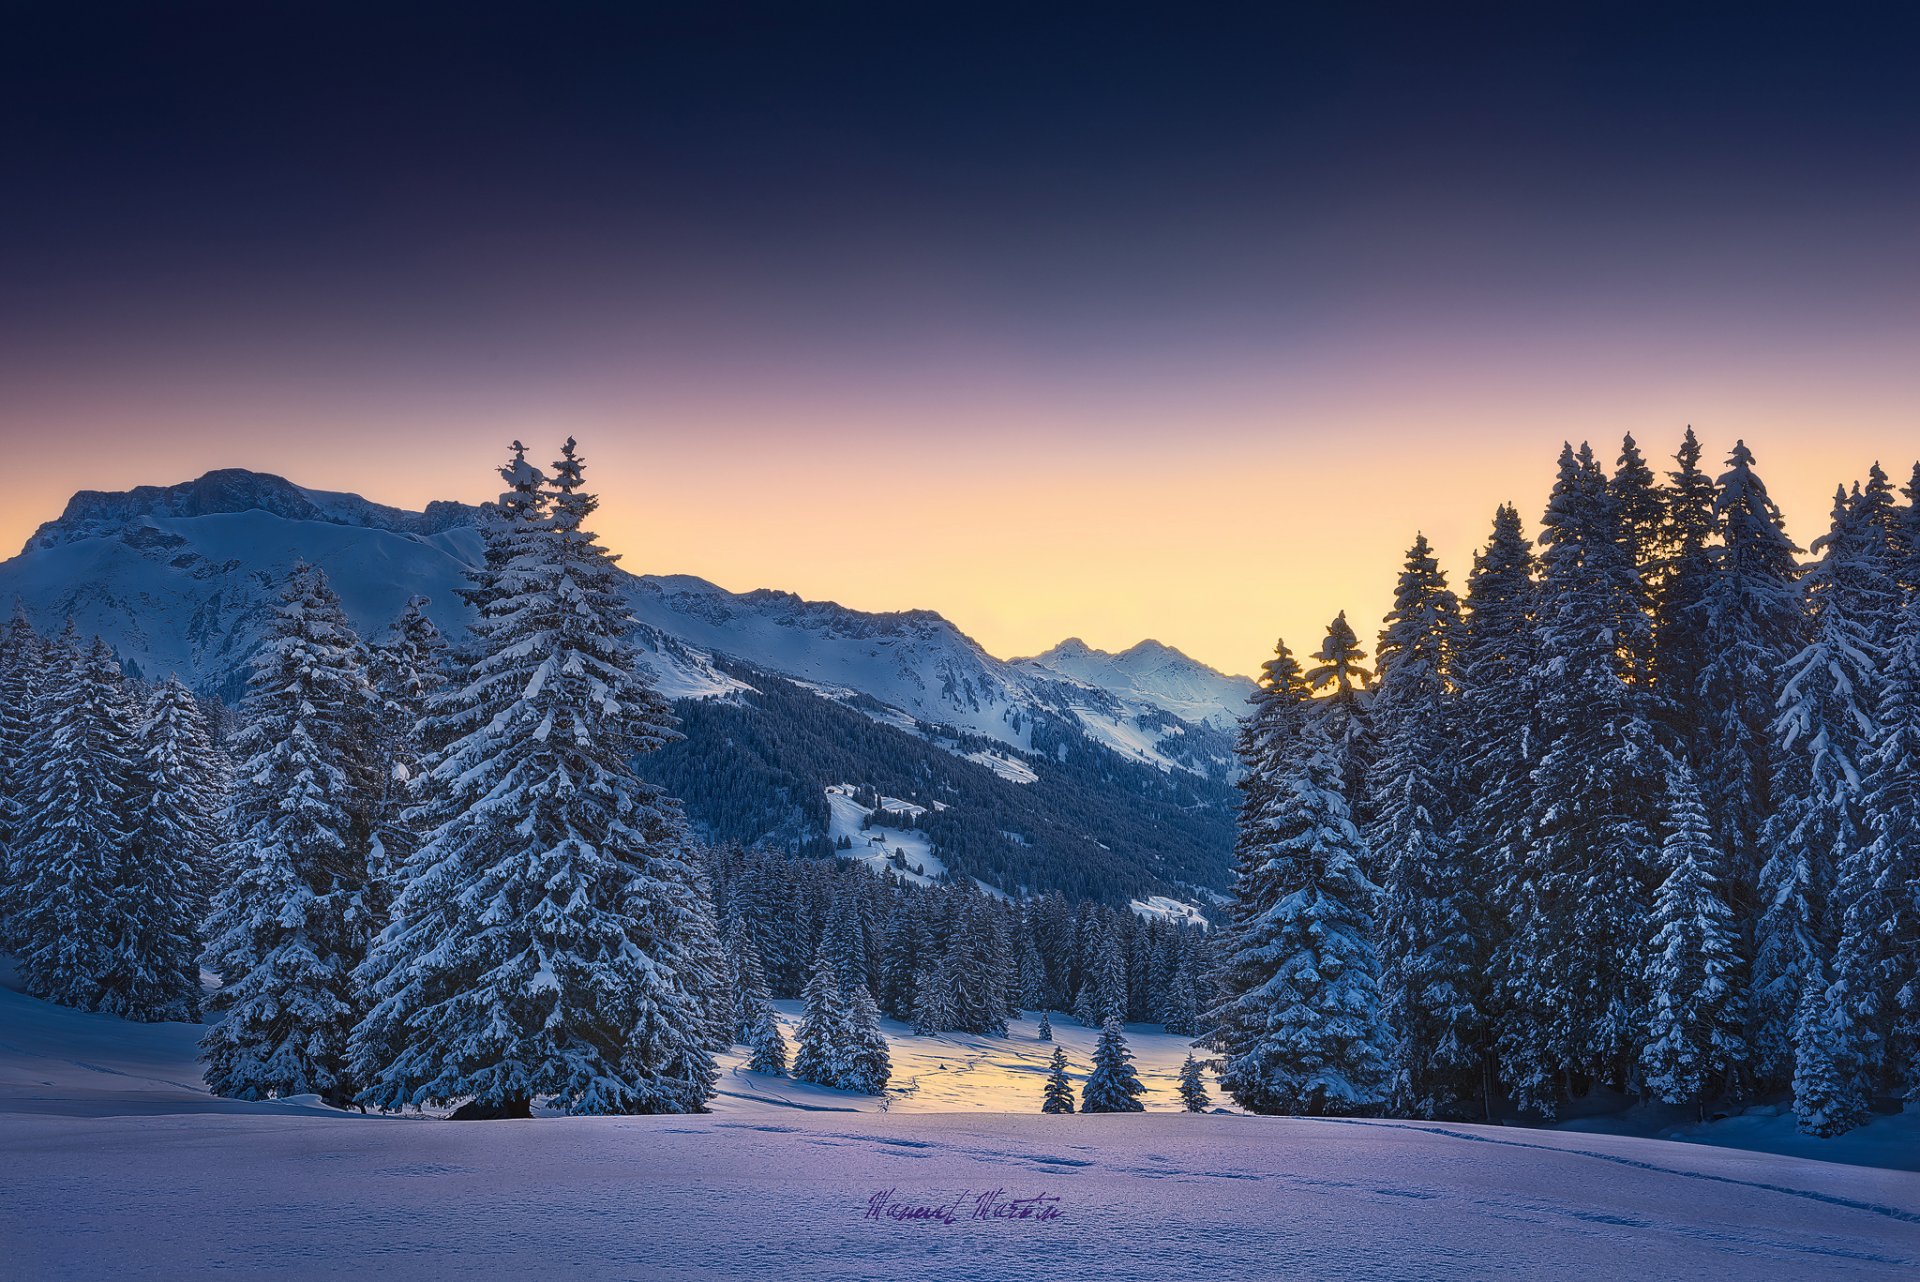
808, 726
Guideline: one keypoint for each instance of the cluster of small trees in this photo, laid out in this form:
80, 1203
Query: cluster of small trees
1641, 814
111, 799
952, 958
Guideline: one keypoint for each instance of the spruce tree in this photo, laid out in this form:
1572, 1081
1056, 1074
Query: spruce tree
1696, 1018
1824, 1103
1193, 1086
1341, 673
408, 670
22, 658
1641, 515
822, 1042
551, 939
1821, 731
1058, 1097
1875, 996
1431, 971
292, 923
78, 923
1301, 1026
1569, 971
1751, 626
1683, 577
1046, 1027
177, 831
868, 1062
1498, 744
764, 1039
1113, 1086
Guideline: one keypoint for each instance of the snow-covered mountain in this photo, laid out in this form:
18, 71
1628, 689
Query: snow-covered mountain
1154, 674
182, 578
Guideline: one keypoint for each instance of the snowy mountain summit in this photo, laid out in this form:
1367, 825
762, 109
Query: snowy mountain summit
92, 513
1156, 674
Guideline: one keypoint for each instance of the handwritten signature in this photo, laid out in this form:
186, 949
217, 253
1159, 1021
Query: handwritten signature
993, 1204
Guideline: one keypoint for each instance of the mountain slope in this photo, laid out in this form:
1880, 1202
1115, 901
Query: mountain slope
182, 579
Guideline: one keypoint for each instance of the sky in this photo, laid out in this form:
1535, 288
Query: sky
1121, 321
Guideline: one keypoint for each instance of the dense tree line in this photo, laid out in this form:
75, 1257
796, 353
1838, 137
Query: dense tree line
1639, 816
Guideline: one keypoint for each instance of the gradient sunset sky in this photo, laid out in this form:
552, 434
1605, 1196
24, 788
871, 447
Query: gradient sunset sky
1117, 321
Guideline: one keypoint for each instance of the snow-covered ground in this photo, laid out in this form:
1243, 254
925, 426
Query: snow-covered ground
115, 1163
875, 846
1168, 909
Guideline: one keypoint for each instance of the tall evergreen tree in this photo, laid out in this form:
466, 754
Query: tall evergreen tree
551, 939
1874, 1001
822, 1051
1571, 995
22, 658
1641, 514
1696, 1019
408, 670
1824, 721
180, 792
1750, 628
869, 1063
1498, 744
77, 921
1430, 967
1301, 1026
1341, 672
1683, 576
1113, 1086
289, 927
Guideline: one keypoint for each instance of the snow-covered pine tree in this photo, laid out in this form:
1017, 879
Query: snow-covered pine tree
1825, 719
289, 927
1641, 513
1341, 671
1874, 1002
1301, 1025
1046, 1027
844, 943
1113, 1086
822, 1045
1696, 1017
1058, 1096
77, 921
935, 1008
869, 1064
1103, 990
1683, 577
551, 939
764, 1039
1569, 971
1498, 745
1906, 524
22, 659
1431, 969
901, 946
1193, 1086
408, 670
1751, 625
1823, 1102
177, 828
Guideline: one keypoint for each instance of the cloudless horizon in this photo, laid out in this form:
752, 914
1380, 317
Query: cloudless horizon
1117, 323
